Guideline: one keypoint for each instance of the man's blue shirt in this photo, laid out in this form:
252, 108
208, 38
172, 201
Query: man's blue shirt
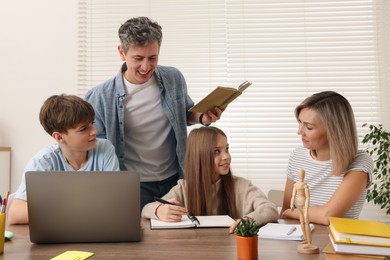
108, 101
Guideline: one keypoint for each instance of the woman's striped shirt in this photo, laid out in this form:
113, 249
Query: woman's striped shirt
322, 184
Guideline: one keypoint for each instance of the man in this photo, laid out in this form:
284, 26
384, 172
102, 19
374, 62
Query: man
69, 120
143, 110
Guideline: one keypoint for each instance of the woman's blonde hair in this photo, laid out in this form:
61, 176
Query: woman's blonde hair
336, 116
199, 170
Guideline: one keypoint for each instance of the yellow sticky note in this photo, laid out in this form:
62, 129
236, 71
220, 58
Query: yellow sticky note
73, 255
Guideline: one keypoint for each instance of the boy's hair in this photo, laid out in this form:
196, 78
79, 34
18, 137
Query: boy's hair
59, 113
336, 115
139, 31
199, 171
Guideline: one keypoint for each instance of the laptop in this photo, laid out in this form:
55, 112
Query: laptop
83, 207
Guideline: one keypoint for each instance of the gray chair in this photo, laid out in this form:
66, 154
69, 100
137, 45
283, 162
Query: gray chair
276, 196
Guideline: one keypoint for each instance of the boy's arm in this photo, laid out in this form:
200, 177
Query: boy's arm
17, 213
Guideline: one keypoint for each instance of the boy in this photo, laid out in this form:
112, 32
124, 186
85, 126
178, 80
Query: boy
69, 120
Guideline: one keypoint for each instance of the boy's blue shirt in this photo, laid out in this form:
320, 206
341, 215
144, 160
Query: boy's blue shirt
100, 158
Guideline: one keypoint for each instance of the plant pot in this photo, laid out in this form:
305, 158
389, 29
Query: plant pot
247, 248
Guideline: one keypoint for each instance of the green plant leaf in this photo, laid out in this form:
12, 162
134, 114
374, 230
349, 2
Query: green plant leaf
378, 147
247, 227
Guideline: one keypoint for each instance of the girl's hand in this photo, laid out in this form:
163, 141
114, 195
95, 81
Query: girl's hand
171, 213
233, 226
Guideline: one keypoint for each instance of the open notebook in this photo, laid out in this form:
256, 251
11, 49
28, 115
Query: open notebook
282, 231
205, 221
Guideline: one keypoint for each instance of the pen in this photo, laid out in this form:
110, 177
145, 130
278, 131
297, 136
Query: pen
163, 201
189, 214
4, 203
292, 229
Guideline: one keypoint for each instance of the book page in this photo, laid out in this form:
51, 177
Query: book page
244, 86
159, 224
359, 249
215, 221
205, 221
282, 231
358, 239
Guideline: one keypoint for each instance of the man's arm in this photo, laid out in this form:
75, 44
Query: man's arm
17, 213
93, 99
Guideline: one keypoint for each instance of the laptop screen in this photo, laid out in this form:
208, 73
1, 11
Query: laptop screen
74, 207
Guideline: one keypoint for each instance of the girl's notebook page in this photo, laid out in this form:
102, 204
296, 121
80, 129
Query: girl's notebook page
215, 221
205, 221
184, 223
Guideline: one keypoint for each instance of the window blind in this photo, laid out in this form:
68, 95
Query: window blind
288, 49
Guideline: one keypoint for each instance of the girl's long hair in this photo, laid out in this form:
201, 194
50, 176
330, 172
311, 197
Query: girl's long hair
199, 170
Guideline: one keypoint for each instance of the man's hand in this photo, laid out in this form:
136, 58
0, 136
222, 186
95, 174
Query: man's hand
211, 116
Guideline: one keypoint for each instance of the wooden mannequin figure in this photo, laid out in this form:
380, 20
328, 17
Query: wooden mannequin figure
303, 198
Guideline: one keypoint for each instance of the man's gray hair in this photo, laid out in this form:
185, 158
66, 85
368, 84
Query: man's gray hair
139, 31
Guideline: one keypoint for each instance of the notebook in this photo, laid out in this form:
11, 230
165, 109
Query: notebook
282, 231
204, 221
78, 207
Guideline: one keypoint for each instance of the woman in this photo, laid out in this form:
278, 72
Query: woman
337, 174
209, 188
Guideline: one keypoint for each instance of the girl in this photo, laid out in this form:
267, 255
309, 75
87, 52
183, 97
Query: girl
209, 188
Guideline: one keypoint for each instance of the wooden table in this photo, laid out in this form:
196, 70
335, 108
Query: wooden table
200, 243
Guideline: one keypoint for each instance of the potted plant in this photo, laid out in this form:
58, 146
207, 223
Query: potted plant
247, 239
378, 140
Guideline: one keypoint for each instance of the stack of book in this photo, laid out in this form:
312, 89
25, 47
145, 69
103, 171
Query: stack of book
361, 238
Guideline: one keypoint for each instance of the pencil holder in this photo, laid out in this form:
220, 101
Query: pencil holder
2, 232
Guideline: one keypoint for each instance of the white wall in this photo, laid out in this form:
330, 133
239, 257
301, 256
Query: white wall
37, 59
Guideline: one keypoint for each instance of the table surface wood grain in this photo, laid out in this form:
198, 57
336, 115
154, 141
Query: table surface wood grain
191, 243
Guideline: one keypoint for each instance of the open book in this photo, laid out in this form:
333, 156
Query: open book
282, 231
205, 221
219, 97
